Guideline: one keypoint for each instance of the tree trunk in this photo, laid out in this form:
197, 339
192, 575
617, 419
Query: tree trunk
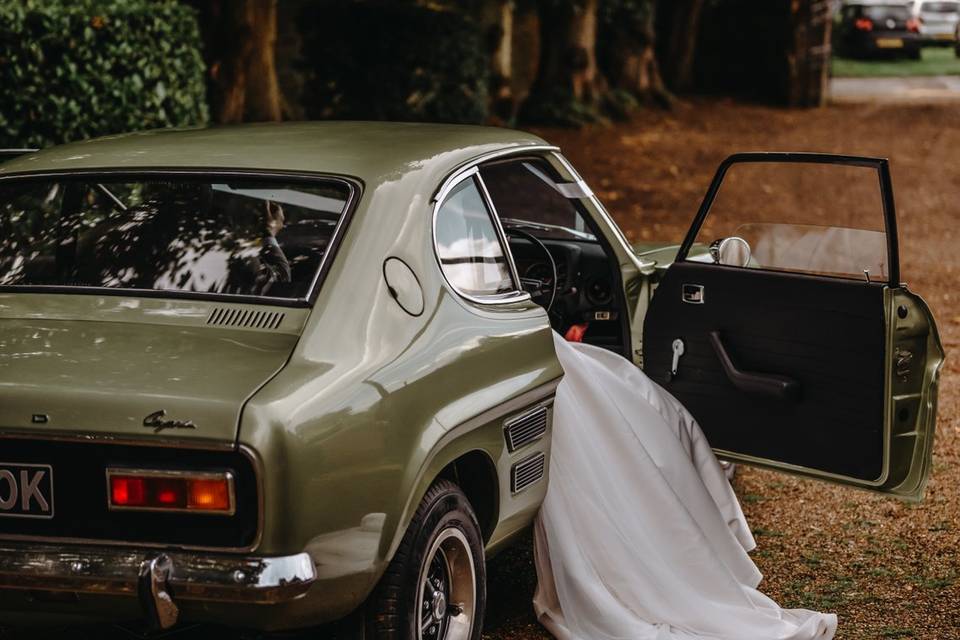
496, 20
263, 91
525, 58
682, 46
568, 88
631, 59
808, 56
239, 38
588, 85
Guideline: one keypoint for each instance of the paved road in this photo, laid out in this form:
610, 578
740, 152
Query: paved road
913, 89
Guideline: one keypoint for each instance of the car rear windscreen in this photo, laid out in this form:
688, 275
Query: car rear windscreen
940, 7
882, 12
229, 235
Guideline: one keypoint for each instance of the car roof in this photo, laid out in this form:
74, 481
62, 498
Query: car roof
374, 152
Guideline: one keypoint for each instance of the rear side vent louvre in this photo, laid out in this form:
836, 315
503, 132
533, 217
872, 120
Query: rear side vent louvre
527, 472
245, 318
526, 428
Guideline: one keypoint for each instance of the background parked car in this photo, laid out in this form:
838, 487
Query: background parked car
872, 28
938, 21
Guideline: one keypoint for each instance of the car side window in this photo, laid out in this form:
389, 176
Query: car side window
813, 218
525, 194
468, 244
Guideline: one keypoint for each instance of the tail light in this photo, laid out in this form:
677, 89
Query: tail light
174, 491
863, 24
913, 24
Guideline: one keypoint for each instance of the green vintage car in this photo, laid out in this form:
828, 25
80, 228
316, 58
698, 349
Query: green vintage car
279, 375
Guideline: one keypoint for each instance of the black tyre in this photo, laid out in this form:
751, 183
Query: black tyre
435, 586
914, 54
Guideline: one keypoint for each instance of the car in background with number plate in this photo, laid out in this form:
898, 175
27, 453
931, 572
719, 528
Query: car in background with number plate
869, 28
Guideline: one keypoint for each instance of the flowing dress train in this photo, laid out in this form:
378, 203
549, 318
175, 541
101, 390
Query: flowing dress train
641, 536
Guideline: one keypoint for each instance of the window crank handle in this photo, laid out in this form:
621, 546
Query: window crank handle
677, 352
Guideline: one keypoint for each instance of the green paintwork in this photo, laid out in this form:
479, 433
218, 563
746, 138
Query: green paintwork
370, 402
100, 364
377, 153
352, 407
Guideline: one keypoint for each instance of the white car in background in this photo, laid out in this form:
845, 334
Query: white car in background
938, 20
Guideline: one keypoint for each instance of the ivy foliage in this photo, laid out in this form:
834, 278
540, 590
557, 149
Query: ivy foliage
73, 69
393, 60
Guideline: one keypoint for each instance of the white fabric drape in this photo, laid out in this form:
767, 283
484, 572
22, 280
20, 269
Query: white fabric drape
641, 536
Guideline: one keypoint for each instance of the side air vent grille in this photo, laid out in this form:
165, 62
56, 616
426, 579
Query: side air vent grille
245, 318
526, 428
527, 472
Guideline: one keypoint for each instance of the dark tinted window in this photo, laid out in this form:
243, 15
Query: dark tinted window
525, 191
225, 236
881, 12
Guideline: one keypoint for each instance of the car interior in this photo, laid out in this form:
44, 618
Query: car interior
562, 262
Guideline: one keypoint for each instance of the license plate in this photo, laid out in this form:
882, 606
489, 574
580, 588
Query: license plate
944, 36
26, 490
889, 43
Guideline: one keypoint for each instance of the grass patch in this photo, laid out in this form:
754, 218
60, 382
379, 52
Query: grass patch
826, 598
934, 582
890, 632
935, 61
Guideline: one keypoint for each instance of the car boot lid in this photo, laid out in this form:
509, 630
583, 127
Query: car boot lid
141, 368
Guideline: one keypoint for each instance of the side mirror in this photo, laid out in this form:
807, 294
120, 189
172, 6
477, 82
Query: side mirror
733, 251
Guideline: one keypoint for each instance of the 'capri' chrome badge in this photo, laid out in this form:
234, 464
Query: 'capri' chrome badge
156, 422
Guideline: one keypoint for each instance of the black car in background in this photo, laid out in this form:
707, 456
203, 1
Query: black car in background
878, 28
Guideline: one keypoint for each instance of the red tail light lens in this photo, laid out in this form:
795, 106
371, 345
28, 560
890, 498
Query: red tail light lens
171, 491
863, 24
913, 25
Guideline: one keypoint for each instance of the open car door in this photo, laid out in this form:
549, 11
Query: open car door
784, 328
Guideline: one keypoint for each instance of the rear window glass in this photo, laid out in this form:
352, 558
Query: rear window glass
879, 12
219, 236
939, 7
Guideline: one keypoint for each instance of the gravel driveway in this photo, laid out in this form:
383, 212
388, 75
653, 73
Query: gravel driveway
889, 569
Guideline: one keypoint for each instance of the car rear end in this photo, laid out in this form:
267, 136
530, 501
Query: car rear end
138, 316
883, 29
938, 21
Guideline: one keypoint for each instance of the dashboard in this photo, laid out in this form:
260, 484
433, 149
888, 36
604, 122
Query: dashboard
586, 289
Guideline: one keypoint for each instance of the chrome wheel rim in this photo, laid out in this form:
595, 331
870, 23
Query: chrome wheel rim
446, 589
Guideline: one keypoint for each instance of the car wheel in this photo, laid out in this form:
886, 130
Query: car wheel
435, 586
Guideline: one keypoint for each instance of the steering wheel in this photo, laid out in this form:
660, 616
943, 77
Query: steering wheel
538, 288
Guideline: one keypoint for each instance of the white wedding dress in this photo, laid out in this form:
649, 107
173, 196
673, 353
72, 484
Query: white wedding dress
641, 536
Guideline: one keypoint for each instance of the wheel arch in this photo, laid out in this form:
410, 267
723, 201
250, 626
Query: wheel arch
476, 475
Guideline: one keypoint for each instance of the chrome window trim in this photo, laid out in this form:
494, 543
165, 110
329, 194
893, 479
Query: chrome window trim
501, 232
454, 177
354, 189
516, 295
174, 474
243, 449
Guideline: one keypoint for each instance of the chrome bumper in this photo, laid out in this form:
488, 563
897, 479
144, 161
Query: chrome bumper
159, 579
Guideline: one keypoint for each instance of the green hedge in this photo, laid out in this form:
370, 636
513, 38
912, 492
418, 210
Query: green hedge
393, 60
72, 69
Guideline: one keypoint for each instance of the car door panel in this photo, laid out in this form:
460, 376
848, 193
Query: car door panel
829, 376
827, 334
